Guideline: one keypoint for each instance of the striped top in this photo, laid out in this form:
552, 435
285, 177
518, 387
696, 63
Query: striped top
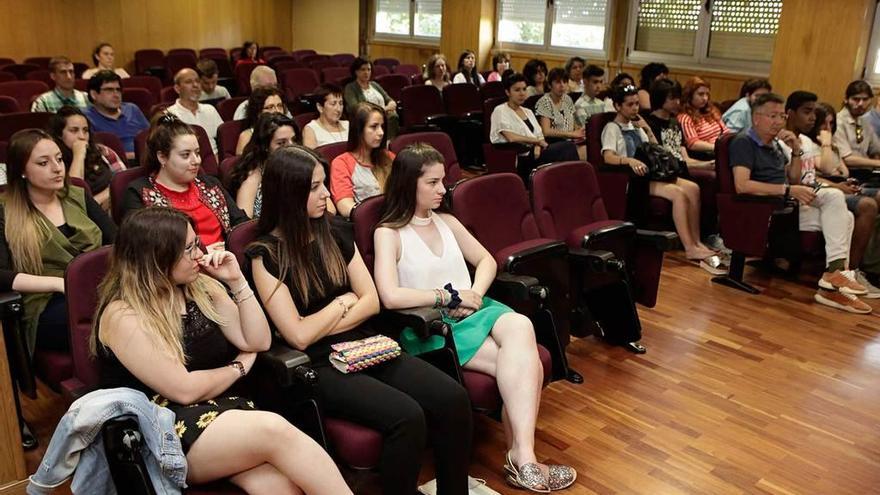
706, 129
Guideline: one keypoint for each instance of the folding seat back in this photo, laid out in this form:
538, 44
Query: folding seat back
269, 49
391, 63
335, 75
78, 69
227, 107
11, 123
441, 142
393, 84
235, 53
213, 52
342, 59
309, 59
532, 101
331, 151
174, 62
613, 182
8, 104
168, 95
243, 77
462, 100
320, 65
408, 70
226, 167
300, 54
149, 61
281, 58
297, 82
224, 67
21, 70
209, 159
419, 104
41, 75
111, 141
151, 83
302, 120
239, 238
183, 51
227, 137
118, 185
494, 89
141, 97
4, 61
7, 76
379, 70
23, 91
285, 65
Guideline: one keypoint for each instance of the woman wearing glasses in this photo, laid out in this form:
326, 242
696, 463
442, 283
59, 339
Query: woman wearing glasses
174, 181
700, 119
262, 100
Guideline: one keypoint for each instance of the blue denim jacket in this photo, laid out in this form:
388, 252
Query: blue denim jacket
77, 447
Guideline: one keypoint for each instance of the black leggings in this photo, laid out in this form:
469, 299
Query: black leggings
409, 401
52, 333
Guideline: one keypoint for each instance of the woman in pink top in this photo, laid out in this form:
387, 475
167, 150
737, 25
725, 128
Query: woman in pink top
500, 63
700, 120
360, 173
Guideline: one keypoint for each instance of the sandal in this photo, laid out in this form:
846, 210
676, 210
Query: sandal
528, 476
714, 265
561, 477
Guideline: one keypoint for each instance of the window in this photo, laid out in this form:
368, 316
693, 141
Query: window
575, 25
733, 34
872, 64
409, 18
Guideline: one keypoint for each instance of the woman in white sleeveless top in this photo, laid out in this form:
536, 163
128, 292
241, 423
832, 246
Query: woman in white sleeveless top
327, 128
421, 254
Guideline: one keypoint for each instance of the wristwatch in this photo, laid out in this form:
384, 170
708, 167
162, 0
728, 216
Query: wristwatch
799, 153
239, 366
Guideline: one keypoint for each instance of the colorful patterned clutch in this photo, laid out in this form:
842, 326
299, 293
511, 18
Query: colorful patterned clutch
357, 355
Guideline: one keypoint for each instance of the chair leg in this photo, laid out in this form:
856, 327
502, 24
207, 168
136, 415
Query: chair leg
734, 277
545, 331
28, 439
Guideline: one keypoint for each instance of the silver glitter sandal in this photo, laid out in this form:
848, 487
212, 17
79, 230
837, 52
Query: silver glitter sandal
527, 477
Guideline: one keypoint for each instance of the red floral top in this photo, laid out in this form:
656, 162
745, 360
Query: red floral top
204, 203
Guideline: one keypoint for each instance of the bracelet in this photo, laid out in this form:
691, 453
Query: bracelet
239, 366
239, 300
437, 298
344, 307
454, 300
243, 287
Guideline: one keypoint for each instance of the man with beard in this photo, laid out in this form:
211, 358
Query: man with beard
855, 139
761, 166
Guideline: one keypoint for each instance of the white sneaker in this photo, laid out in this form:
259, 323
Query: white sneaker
476, 486
873, 291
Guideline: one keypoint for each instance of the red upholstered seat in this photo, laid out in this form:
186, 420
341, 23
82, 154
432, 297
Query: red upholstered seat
227, 137
393, 84
25, 92
441, 142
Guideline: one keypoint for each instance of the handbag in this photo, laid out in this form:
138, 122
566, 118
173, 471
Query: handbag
662, 166
358, 355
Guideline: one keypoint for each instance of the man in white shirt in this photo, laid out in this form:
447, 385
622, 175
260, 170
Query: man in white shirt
209, 74
188, 109
262, 77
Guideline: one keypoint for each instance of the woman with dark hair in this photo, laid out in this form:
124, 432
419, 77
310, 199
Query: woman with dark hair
363, 89
167, 326
513, 123
318, 292
46, 222
437, 74
651, 72
467, 70
103, 56
500, 65
360, 172
700, 119
175, 181
620, 139
535, 72
273, 131
621, 80
574, 69
421, 254
250, 54
84, 158
555, 110
262, 100
328, 128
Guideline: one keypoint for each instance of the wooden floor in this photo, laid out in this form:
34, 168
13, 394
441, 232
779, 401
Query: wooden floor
769, 394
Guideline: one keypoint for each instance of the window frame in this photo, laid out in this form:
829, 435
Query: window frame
548, 48
700, 59
410, 38
872, 56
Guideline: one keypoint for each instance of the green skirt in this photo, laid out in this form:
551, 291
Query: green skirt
468, 333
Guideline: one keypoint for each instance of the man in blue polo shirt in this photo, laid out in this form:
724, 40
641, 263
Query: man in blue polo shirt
109, 113
762, 166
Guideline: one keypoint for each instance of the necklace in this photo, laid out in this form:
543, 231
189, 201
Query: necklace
421, 222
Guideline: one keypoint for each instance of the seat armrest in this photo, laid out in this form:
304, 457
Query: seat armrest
618, 169
548, 249
287, 365
662, 240
625, 229
593, 260
507, 286
475, 115
519, 148
10, 304
440, 117
425, 321
781, 204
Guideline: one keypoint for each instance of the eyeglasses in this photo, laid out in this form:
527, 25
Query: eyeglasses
115, 89
278, 107
860, 133
774, 116
194, 249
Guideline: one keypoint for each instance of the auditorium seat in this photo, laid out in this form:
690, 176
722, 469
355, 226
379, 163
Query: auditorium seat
379, 71
393, 84
242, 74
531, 102
335, 75
141, 97
111, 141
301, 120
7, 76
168, 95
281, 58
494, 89
23, 91
174, 62
41, 75
285, 65
314, 57
463, 102
227, 137
320, 65
300, 54
11, 123
8, 104
331, 151
20, 70
151, 83
213, 52
391, 63
226, 167
118, 185
182, 51
78, 69
533, 275
4, 61
421, 109
441, 142
298, 82
500, 158
342, 59
150, 61
227, 107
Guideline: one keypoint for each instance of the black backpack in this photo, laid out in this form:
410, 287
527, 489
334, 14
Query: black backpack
662, 165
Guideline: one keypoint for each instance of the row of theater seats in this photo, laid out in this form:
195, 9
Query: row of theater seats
559, 236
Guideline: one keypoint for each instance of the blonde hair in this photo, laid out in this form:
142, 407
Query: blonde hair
149, 244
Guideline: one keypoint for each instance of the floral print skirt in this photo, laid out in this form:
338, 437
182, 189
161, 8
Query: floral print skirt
192, 420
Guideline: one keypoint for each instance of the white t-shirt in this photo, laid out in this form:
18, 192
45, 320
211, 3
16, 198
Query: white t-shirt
612, 137
460, 79
206, 116
809, 161
219, 92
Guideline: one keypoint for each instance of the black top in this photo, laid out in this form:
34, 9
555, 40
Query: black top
203, 343
528, 124
95, 214
766, 161
344, 236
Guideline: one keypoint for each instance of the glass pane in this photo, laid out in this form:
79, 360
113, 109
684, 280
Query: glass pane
522, 21
579, 24
744, 29
428, 18
668, 26
392, 16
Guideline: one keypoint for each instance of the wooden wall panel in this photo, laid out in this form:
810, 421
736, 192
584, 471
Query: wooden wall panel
407, 53
821, 46
74, 27
312, 27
